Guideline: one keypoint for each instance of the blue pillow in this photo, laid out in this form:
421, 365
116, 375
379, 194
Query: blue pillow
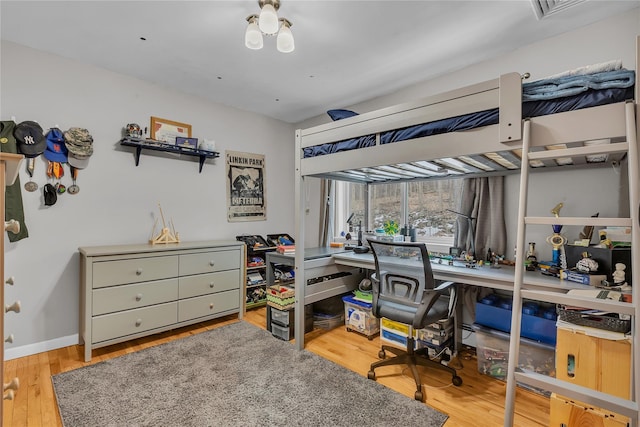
341, 114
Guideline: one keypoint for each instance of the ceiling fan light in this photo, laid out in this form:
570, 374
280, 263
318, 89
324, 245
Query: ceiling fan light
253, 35
268, 20
285, 41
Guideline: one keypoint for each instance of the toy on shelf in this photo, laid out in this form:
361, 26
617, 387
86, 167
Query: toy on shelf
557, 241
166, 235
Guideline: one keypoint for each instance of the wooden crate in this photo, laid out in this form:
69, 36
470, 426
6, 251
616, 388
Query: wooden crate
569, 413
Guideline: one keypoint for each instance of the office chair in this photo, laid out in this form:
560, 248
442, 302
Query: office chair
404, 291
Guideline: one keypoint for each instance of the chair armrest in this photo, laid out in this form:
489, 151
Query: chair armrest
443, 286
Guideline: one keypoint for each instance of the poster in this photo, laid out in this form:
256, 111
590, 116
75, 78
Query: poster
246, 196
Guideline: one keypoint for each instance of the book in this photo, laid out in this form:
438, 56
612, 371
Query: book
286, 249
583, 278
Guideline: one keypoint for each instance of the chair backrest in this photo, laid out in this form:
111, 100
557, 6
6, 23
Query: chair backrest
403, 282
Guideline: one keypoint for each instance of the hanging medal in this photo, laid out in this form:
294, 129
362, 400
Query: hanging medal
54, 170
31, 186
73, 189
58, 173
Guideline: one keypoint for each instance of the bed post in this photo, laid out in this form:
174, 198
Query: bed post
510, 107
299, 254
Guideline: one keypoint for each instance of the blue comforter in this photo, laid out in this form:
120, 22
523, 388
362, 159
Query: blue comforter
543, 97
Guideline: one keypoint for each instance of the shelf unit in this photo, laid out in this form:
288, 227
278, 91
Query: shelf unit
256, 247
150, 144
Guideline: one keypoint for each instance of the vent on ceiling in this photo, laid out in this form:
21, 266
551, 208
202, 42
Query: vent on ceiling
544, 8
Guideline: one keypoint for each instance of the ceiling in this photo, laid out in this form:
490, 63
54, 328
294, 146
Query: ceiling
346, 51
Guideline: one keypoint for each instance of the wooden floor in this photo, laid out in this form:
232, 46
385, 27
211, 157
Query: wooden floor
478, 402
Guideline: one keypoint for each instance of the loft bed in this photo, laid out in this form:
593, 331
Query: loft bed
328, 150
470, 131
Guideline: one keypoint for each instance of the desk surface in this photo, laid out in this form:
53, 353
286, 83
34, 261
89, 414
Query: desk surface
496, 278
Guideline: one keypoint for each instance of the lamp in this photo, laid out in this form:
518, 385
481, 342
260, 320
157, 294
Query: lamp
268, 23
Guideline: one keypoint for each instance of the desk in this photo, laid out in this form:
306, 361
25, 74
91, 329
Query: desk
489, 277
495, 278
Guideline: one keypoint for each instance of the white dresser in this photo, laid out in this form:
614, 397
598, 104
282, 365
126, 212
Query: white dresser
129, 291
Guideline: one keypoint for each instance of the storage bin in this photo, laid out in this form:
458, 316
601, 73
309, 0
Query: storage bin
394, 337
282, 332
392, 325
358, 317
540, 326
492, 349
285, 318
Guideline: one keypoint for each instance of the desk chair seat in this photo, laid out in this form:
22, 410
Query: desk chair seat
404, 291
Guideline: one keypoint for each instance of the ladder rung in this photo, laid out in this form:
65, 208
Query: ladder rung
565, 220
568, 299
586, 150
615, 404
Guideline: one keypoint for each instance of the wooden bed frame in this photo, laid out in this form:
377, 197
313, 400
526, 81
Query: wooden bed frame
570, 128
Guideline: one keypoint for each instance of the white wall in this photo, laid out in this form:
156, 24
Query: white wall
583, 192
118, 202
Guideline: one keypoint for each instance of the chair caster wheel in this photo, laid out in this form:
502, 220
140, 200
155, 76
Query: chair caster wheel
457, 381
418, 396
382, 354
371, 375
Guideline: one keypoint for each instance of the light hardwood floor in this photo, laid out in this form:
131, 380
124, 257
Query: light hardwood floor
478, 402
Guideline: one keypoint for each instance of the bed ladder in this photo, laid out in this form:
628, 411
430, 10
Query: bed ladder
625, 407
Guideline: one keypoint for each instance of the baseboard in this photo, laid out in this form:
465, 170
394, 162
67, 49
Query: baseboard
40, 347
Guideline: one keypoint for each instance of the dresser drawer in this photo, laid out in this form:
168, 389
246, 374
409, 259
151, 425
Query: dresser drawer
202, 284
209, 262
207, 305
126, 297
115, 325
120, 272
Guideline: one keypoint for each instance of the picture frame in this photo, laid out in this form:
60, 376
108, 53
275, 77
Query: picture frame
168, 130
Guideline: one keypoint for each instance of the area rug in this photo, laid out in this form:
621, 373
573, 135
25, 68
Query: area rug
235, 375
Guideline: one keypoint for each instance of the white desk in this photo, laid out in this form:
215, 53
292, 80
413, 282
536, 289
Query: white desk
495, 278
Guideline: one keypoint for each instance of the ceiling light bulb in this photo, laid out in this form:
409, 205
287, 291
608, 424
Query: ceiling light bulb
285, 42
253, 36
268, 20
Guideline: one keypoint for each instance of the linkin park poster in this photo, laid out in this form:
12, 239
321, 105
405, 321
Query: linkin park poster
246, 197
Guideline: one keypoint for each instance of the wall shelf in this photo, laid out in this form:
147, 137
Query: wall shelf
150, 144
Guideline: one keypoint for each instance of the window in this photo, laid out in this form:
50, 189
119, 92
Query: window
420, 204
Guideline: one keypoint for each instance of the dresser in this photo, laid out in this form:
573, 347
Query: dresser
130, 291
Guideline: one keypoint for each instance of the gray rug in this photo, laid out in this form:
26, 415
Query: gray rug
235, 375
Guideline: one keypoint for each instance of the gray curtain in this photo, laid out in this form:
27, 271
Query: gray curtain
483, 199
326, 223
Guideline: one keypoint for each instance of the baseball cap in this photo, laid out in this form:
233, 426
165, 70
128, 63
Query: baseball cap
29, 138
79, 143
56, 150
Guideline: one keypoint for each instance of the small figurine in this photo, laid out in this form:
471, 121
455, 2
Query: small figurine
587, 264
618, 275
133, 131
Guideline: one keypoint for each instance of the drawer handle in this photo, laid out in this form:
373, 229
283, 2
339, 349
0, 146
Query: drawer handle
139, 297
211, 285
139, 272
211, 306
138, 322
10, 281
211, 263
9, 339
8, 395
13, 385
15, 307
